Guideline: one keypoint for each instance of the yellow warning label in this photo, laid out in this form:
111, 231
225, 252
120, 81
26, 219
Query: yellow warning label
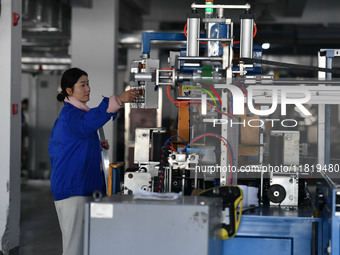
191, 87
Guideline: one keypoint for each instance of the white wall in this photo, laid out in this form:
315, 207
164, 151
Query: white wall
10, 125
94, 49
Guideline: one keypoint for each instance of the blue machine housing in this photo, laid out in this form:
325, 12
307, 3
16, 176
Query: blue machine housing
274, 230
219, 31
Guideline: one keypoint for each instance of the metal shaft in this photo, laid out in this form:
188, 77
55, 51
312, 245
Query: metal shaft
193, 33
246, 39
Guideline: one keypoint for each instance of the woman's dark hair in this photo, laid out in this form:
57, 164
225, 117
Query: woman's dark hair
69, 78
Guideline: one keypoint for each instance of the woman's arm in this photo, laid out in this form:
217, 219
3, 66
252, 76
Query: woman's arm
84, 123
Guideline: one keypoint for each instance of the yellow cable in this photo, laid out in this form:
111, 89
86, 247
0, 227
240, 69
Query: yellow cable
109, 181
223, 233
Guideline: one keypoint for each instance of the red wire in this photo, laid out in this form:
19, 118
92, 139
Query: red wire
218, 96
178, 102
230, 115
244, 90
171, 147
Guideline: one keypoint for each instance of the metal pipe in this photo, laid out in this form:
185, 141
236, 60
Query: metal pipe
250, 81
184, 76
204, 103
214, 39
201, 58
196, 180
220, 12
193, 33
221, 6
328, 113
224, 160
165, 83
141, 76
246, 37
193, 98
321, 116
261, 190
189, 98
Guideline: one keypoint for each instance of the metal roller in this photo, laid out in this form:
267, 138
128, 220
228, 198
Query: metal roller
276, 193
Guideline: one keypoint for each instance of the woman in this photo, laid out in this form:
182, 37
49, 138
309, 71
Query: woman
75, 153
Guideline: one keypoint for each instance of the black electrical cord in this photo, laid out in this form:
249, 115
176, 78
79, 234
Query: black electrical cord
288, 65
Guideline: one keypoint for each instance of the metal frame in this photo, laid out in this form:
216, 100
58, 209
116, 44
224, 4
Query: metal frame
262, 94
127, 141
331, 218
325, 59
221, 6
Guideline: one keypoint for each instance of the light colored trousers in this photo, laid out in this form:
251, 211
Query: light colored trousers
70, 213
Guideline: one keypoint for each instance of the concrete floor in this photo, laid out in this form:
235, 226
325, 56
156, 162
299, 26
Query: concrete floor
39, 227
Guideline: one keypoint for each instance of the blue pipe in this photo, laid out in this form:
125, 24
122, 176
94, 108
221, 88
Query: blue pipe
147, 37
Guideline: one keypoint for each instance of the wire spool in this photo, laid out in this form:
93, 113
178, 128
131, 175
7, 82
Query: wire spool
276, 193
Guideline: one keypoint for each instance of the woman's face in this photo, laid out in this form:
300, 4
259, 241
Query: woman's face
81, 89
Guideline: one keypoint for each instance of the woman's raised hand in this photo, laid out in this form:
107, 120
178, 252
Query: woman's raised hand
128, 96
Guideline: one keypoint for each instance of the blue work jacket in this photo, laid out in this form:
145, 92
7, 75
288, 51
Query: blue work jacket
75, 151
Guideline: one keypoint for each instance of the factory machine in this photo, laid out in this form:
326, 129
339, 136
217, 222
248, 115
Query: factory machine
198, 80
235, 128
